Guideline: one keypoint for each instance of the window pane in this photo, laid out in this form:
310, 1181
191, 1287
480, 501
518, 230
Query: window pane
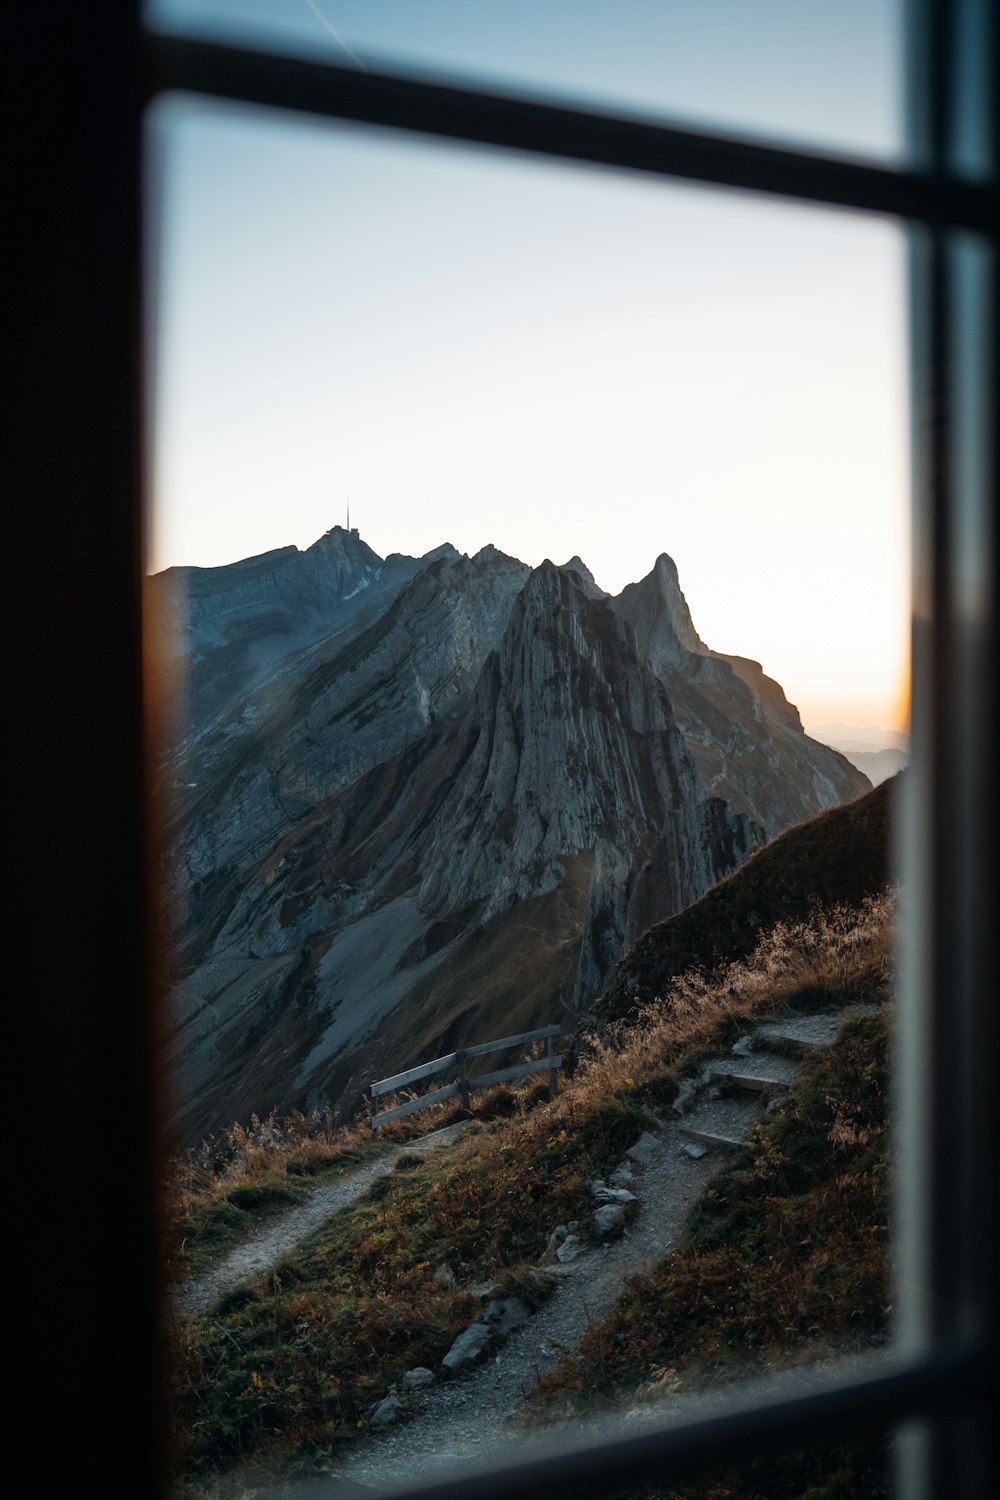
429, 791
822, 75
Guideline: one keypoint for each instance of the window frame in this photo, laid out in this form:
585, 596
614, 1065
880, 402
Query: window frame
91, 77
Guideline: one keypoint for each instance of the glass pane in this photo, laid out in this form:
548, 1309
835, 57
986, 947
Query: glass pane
429, 791
815, 73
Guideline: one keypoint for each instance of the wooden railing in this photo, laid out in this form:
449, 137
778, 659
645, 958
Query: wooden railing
463, 1086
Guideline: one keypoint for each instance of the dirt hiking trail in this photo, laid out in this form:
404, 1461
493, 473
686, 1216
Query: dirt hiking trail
451, 1421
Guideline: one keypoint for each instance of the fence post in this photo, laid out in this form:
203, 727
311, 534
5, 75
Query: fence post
463, 1078
550, 1051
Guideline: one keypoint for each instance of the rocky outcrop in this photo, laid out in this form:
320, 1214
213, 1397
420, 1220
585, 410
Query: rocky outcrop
744, 735
572, 746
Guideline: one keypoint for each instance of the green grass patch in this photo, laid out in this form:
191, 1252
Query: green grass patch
216, 1228
222, 1200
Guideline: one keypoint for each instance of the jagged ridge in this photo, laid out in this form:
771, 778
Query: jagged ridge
451, 814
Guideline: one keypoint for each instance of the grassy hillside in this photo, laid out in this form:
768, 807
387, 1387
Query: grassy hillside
835, 859
786, 1263
787, 1257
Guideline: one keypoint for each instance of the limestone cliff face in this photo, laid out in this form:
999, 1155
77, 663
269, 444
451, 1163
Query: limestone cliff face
327, 713
746, 738
447, 818
232, 625
658, 613
574, 746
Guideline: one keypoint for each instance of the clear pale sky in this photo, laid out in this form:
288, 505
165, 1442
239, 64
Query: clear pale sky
480, 348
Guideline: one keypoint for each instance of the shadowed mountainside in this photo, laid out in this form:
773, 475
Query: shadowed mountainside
837, 858
446, 817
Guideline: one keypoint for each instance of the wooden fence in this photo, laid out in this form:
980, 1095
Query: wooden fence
463, 1086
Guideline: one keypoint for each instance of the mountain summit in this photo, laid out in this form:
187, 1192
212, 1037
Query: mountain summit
425, 802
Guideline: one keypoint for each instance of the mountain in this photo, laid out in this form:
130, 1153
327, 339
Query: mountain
746, 737
426, 802
230, 626
778, 1251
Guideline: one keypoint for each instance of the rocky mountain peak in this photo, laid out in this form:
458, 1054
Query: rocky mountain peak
745, 736
658, 612
446, 552
431, 796
574, 748
342, 560
491, 554
578, 566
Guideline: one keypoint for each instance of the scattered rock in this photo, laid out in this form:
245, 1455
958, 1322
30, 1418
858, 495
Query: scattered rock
444, 1276
506, 1314
385, 1412
621, 1175
609, 1219
743, 1047
685, 1097
569, 1249
605, 1194
694, 1150
645, 1148
468, 1347
554, 1240
417, 1378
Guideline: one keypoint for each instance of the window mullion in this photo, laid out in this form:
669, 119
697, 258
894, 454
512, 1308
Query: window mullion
946, 1215
522, 124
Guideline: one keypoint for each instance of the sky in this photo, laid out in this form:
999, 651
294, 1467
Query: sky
476, 347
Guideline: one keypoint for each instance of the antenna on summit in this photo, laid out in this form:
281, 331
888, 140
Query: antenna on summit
348, 512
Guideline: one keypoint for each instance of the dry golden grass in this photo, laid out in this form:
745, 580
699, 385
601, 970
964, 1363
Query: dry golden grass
214, 1195
836, 953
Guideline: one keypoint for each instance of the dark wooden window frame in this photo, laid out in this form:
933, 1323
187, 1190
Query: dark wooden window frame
86, 857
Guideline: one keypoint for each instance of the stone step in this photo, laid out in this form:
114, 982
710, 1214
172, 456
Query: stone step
753, 1083
811, 1032
709, 1138
780, 1038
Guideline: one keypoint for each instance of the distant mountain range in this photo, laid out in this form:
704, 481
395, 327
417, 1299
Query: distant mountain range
423, 802
879, 753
